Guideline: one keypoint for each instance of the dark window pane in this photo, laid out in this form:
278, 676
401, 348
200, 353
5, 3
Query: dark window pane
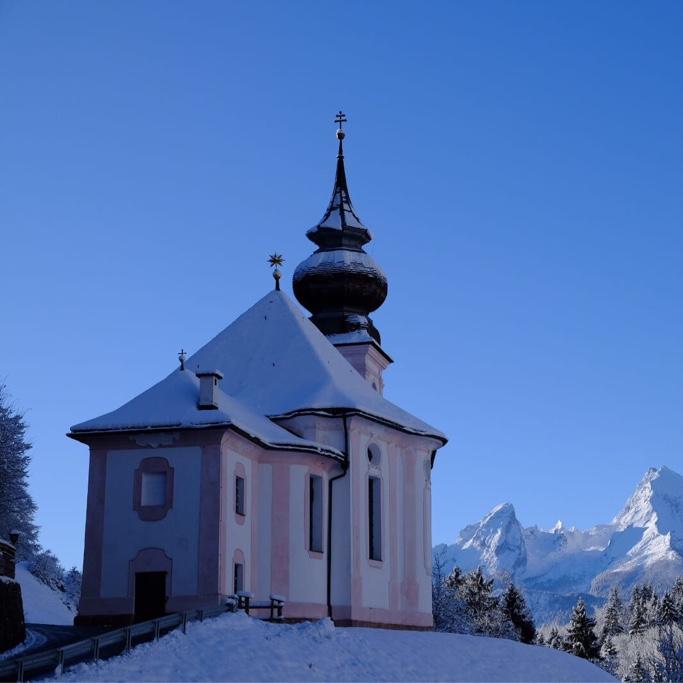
239, 578
375, 517
315, 513
239, 495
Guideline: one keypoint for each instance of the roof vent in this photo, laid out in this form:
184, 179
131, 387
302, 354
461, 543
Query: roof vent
208, 389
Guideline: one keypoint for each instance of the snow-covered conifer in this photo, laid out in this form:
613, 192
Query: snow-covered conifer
668, 611
16, 504
667, 664
72, 587
455, 578
555, 639
609, 655
638, 672
652, 610
481, 604
515, 610
613, 615
581, 639
638, 621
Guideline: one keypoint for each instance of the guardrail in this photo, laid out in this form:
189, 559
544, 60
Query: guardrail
103, 646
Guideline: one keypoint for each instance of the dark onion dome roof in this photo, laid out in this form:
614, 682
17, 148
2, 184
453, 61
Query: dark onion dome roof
340, 284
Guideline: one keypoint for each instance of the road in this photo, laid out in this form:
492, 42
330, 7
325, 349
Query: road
51, 636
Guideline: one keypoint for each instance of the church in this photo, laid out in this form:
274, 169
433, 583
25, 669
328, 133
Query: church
269, 461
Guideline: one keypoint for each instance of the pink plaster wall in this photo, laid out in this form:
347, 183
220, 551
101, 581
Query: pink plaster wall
94, 526
405, 520
208, 575
280, 530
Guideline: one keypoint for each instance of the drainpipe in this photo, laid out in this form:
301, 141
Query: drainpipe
345, 467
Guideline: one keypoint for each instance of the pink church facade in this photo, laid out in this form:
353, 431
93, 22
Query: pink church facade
269, 462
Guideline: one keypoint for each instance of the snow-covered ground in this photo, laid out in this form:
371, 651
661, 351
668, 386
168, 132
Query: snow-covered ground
42, 604
235, 647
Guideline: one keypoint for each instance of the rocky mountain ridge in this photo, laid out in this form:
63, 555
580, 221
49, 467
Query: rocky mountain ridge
643, 543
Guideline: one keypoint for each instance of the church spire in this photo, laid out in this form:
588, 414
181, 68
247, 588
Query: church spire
340, 284
340, 214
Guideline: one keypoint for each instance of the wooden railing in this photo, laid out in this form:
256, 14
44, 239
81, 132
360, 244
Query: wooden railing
103, 646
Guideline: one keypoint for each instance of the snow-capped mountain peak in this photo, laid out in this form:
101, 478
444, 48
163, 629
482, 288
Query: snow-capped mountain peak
656, 505
644, 543
496, 542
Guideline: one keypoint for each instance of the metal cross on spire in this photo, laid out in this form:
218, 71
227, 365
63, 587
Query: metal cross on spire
340, 118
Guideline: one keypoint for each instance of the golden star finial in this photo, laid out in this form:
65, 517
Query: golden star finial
276, 260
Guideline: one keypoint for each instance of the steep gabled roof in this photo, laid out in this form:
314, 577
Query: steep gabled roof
275, 359
173, 404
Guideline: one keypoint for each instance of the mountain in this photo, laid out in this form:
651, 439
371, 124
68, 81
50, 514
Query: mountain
497, 542
643, 543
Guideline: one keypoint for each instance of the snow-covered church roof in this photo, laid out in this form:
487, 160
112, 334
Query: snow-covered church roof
172, 404
275, 363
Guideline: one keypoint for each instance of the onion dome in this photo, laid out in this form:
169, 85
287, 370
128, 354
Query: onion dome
339, 283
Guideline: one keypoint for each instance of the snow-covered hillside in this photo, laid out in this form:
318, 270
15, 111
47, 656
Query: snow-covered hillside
42, 604
643, 543
235, 647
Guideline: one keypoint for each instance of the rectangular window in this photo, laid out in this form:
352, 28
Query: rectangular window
375, 517
239, 578
153, 489
239, 495
315, 513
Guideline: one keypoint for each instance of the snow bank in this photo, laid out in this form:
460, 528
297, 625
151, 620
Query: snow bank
235, 647
42, 605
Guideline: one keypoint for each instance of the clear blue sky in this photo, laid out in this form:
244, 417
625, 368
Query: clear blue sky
521, 166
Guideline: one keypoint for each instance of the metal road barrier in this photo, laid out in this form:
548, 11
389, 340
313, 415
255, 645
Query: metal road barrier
103, 646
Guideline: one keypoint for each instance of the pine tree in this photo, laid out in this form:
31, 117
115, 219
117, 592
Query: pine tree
515, 610
652, 610
540, 640
609, 655
638, 672
455, 578
638, 622
16, 504
440, 593
647, 592
668, 663
581, 639
481, 604
613, 615
448, 607
677, 597
668, 612
72, 586
555, 639
677, 589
